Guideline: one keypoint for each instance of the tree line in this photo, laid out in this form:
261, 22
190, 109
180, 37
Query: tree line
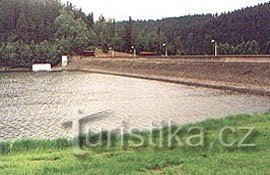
192, 35
33, 31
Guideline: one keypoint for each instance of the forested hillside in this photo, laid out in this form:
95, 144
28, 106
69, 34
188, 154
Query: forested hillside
34, 31
192, 34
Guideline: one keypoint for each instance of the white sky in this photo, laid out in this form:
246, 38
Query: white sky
156, 9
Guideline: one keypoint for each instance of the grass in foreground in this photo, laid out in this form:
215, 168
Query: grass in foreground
58, 157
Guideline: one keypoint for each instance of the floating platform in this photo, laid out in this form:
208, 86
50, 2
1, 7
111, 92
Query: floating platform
41, 67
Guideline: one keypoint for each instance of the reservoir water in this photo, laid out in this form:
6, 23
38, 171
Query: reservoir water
37, 104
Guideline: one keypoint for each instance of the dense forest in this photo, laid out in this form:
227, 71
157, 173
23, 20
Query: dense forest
245, 31
33, 31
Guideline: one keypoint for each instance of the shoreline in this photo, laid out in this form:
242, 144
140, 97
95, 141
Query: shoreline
188, 82
243, 77
7, 69
178, 72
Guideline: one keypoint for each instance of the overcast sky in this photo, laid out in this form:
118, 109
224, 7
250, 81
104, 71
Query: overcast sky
156, 9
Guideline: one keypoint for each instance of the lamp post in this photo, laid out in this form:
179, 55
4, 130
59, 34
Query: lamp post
112, 51
215, 47
134, 50
165, 49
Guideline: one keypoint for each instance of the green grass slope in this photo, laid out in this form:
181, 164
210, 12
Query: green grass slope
58, 157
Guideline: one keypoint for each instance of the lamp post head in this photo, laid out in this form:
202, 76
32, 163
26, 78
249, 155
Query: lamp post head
164, 44
213, 41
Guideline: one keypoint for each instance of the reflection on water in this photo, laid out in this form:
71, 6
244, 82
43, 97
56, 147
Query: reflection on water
36, 104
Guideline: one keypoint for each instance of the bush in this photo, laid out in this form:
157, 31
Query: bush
19, 54
26, 54
45, 52
2, 62
105, 47
249, 48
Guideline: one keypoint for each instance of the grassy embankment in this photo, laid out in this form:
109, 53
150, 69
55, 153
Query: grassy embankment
58, 157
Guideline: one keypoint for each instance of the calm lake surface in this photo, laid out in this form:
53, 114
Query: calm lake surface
37, 104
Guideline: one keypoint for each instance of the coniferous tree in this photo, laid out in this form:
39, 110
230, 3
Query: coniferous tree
128, 38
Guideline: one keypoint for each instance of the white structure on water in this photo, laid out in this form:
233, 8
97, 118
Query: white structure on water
41, 67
